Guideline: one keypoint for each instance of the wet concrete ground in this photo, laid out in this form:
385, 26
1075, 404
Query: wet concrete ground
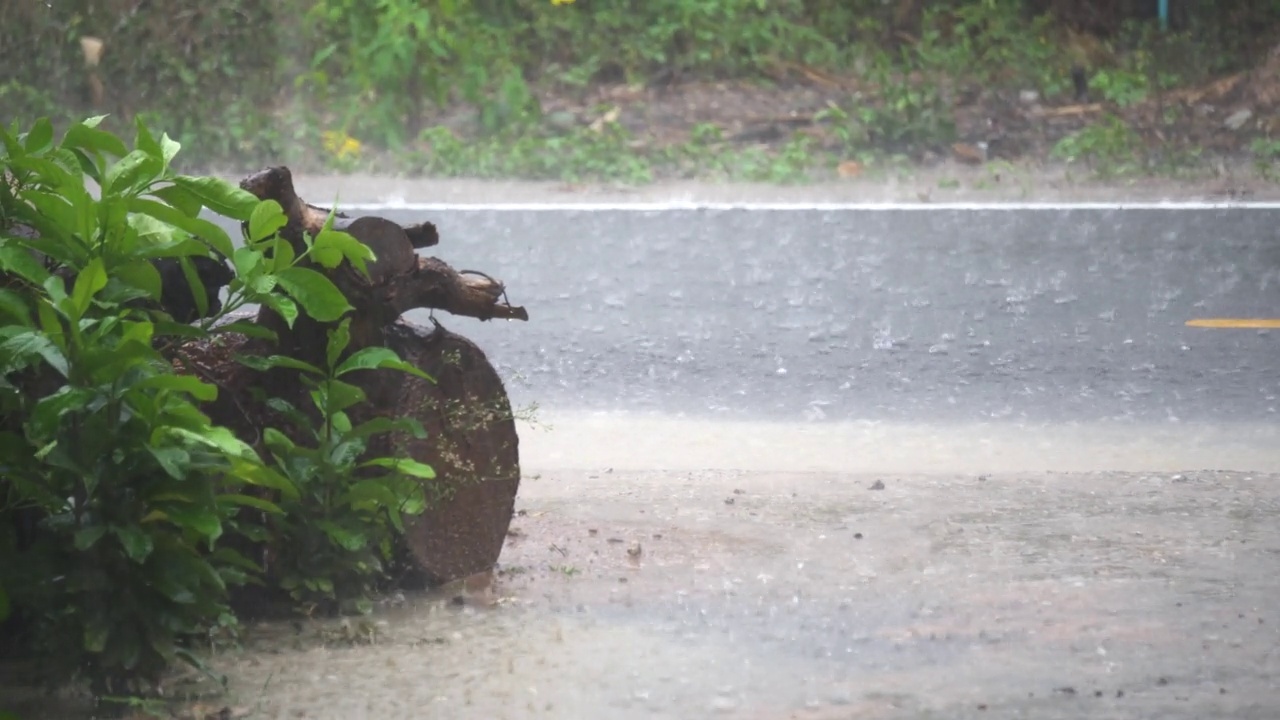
823, 595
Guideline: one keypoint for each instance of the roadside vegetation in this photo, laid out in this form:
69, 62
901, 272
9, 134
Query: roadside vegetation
629, 92
134, 532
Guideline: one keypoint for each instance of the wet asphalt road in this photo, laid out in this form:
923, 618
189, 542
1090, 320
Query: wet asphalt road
906, 315
1041, 315
966, 592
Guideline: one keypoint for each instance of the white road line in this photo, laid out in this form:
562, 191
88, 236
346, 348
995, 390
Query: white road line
798, 207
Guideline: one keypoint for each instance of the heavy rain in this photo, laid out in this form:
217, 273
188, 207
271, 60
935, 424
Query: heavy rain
895, 431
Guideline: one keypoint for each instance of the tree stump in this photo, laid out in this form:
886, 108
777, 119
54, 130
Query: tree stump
471, 443
471, 440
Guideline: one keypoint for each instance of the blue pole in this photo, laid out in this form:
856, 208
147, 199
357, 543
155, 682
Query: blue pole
1164, 14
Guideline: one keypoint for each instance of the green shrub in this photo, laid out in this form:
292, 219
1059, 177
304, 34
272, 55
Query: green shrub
116, 489
1109, 147
336, 533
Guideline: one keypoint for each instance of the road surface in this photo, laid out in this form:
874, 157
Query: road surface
889, 463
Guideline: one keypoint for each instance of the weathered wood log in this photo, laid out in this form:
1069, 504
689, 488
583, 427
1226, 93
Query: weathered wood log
398, 279
471, 437
471, 443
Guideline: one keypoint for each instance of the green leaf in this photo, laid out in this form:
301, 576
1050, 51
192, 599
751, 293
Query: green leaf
328, 257
247, 328
28, 345
153, 231
276, 439
370, 491
131, 171
202, 521
247, 260
250, 501
332, 246
144, 140
175, 461
340, 396
282, 305
169, 148
86, 537
228, 556
181, 198
193, 386
15, 307
267, 218
18, 260
349, 540
215, 236
87, 137
55, 209
339, 338
136, 542
260, 363
88, 282
220, 196
50, 409
39, 137
96, 632
281, 253
380, 425
259, 475
139, 274
379, 357
316, 293
4, 610
196, 286
404, 466
220, 438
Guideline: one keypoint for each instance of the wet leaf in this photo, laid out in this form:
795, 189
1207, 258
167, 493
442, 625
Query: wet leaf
316, 293
136, 542
131, 171
86, 537
406, 466
250, 501
39, 137
378, 357
220, 196
85, 136
267, 219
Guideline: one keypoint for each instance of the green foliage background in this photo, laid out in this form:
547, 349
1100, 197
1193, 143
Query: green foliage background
265, 79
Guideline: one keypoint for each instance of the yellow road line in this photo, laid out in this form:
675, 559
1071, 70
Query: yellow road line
1248, 323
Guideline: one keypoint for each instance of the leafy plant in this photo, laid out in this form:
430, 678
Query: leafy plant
1109, 147
338, 530
989, 41
905, 111
117, 490
122, 482
1121, 87
1266, 156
